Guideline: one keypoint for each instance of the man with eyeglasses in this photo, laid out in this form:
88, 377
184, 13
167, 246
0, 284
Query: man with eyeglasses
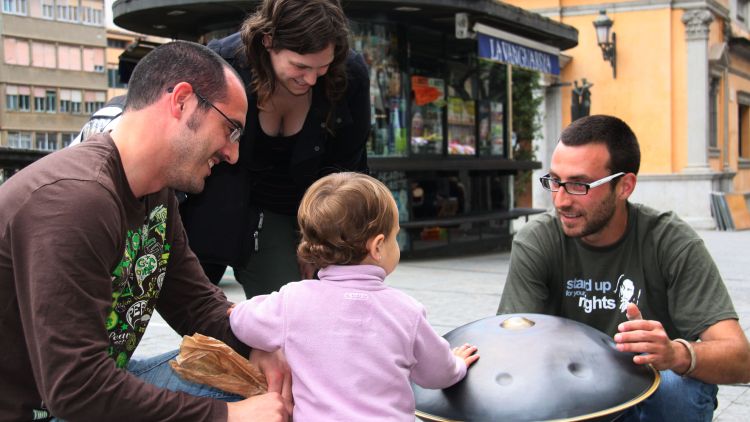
577, 263
92, 244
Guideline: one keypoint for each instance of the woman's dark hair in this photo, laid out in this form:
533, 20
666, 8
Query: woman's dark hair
301, 26
624, 153
172, 63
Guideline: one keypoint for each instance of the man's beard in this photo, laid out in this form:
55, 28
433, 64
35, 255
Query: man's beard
596, 220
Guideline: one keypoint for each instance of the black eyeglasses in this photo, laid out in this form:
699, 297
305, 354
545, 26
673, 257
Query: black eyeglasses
575, 188
237, 130
236, 133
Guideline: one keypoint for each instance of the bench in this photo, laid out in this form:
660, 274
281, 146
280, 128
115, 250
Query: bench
473, 218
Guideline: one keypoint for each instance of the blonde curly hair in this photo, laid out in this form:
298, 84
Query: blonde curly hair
339, 214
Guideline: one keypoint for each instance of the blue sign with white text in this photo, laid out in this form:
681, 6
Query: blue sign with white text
517, 55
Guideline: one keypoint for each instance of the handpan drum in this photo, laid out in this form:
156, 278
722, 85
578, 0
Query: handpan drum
536, 368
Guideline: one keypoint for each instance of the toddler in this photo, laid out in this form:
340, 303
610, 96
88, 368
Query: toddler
353, 343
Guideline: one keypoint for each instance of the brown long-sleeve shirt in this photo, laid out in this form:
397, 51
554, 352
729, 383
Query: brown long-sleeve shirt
83, 266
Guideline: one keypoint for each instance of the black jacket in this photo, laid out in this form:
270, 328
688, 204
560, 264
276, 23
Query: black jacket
220, 221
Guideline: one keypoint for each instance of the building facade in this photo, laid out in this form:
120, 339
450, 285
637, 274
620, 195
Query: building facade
52, 70
682, 83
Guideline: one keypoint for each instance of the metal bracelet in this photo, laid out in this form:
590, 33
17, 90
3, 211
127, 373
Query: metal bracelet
690, 349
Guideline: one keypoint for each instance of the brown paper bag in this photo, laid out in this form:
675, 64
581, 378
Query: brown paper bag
206, 360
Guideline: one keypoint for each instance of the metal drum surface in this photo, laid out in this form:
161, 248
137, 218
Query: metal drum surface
538, 367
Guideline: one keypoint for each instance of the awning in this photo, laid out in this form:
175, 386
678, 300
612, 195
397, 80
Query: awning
504, 47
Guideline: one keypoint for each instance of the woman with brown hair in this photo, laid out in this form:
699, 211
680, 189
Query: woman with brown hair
308, 116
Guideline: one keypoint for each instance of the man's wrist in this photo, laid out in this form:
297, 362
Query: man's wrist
691, 353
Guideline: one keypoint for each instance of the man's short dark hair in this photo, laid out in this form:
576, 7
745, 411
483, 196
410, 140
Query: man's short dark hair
172, 63
624, 152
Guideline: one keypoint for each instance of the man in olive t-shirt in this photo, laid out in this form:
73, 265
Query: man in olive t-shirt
643, 276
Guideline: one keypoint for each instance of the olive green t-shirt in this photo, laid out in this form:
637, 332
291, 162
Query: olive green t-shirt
660, 264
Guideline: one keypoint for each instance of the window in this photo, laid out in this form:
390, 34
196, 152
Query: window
11, 97
48, 9
70, 101
16, 51
24, 98
51, 95
75, 101
40, 100
113, 78
92, 12
69, 57
17, 98
113, 43
742, 10
713, 125
67, 138
93, 101
16, 7
93, 59
65, 105
43, 55
21, 140
46, 141
743, 132
44, 100
67, 10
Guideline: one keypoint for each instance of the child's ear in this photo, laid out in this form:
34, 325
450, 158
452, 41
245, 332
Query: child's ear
375, 246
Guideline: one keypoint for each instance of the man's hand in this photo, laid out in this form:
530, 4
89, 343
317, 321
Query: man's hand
265, 407
277, 372
650, 342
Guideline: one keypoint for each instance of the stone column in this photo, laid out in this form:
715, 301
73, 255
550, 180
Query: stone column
697, 23
551, 109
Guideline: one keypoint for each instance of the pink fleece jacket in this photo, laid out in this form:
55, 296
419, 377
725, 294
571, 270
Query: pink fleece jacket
353, 344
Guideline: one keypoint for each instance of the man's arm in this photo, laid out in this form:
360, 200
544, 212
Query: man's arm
65, 242
721, 357
700, 308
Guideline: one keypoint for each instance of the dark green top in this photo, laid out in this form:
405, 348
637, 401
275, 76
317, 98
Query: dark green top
661, 264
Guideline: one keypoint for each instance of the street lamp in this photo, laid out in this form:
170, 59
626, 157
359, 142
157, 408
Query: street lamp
603, 24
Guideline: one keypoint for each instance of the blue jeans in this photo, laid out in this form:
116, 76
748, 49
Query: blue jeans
676, 399
157, 371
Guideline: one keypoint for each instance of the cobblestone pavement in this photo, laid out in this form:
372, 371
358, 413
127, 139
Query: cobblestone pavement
456, 291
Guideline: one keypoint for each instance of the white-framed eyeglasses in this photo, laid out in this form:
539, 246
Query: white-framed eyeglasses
575, 188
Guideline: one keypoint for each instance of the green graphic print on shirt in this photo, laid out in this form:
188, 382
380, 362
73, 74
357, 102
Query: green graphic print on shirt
136, 283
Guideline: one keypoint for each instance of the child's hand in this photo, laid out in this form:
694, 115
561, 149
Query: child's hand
467, 352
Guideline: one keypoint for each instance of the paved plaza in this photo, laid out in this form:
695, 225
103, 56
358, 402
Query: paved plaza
459, 290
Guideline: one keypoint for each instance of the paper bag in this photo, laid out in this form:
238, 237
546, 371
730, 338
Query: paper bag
206, 360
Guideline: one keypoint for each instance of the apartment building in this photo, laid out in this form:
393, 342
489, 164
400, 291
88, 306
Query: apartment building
53, 71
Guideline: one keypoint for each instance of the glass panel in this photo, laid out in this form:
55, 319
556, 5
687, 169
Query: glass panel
398, 183
427, 114
461, 126
462, 90
493, 93
378, 43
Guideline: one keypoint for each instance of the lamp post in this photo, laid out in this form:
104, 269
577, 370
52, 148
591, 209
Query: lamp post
603, 25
